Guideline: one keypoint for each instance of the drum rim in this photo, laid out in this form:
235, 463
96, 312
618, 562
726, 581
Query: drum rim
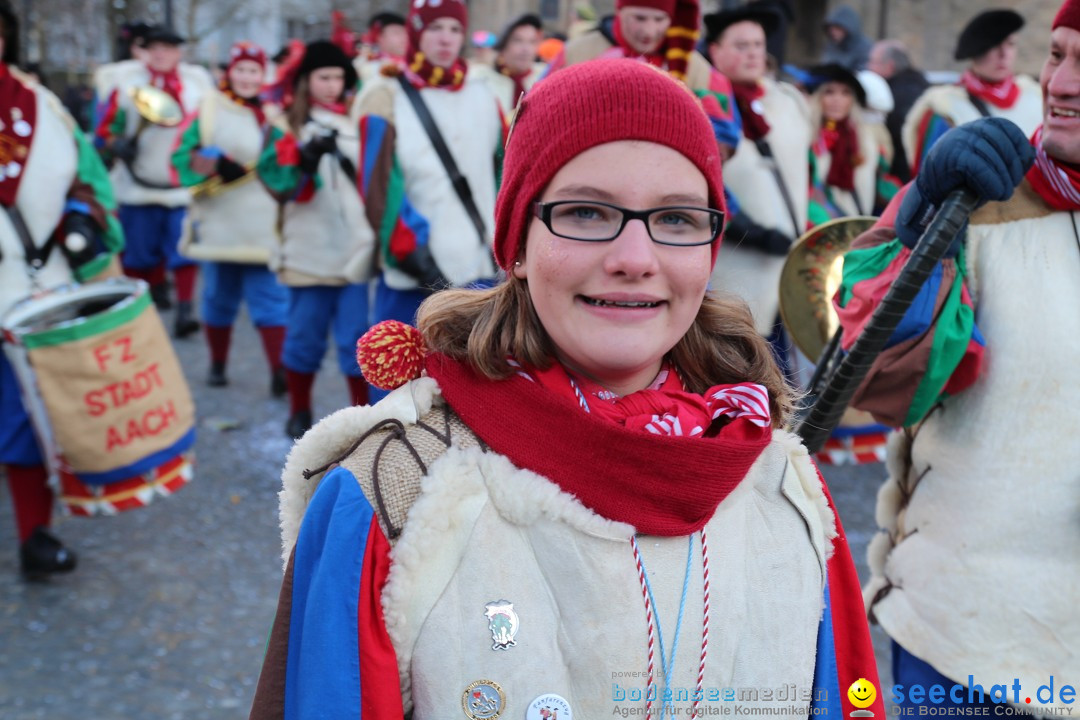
15, 327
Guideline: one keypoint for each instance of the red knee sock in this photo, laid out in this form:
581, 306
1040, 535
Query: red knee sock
31, 496
185, 282
358, 389
299, 385
152, 276
273, 339
218, 339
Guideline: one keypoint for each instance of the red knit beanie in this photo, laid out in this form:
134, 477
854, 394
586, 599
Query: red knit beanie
591, 104
244, 50
667, 6
1068, 16
424, 12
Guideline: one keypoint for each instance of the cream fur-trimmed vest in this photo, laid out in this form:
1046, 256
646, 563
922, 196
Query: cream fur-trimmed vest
952, 102
469, 528
47, 174
865, 176
748, 273
327, 240
238, 224
977, 567
470, 122
502, 87
156, 142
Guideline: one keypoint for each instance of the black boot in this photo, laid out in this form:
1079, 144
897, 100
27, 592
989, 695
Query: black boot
278, 386
217, 378
298, 424
186, 323
42, 555
160, 295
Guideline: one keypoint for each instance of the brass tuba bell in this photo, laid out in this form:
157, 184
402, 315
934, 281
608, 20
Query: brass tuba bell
810, 279
156, 106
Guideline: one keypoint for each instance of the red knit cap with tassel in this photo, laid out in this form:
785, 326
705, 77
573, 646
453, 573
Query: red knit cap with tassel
1068, 16
667, 6
390, 354
586, 105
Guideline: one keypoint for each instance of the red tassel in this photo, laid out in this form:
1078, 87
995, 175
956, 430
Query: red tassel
390, 354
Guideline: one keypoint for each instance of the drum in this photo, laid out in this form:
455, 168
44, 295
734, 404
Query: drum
105, 393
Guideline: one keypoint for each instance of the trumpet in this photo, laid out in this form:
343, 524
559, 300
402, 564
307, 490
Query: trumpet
215, 185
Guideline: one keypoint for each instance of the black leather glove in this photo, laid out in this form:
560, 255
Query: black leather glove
80, 241
420, 265
229, 169
741, 231
124, 149
314, 149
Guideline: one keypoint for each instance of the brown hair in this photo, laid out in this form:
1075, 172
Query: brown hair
297, 114
485, 327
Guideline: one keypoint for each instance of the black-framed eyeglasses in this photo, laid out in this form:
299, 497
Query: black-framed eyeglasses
593, 221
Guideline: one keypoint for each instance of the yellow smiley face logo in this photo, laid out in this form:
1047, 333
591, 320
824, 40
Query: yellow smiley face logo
862, 693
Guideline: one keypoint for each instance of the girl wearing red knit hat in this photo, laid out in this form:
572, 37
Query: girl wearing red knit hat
232, 224
587, 502
434, 220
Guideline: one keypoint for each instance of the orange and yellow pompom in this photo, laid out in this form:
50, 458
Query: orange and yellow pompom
390, 354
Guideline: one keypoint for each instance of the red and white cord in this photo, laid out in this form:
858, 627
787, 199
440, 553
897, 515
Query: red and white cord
649, 687
652, 626
698, 693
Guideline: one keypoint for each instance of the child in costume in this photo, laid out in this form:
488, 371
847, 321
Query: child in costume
311, 165
232, 225
590, 479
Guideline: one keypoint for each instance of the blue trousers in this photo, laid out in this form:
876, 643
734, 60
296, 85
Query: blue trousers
315, 311
152, 233
226, 285
18, 444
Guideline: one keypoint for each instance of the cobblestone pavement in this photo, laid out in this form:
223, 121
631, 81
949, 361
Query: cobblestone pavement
167, 614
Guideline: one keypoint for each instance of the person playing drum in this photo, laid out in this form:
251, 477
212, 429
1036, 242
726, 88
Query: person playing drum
596, 437
59, 225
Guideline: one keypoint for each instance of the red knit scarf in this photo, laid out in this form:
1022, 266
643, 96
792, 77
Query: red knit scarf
842, 142
169, 82
518, 78
748, 98
1057, 183
253, 104
661, 484
18, 112
1001, 94
422, 73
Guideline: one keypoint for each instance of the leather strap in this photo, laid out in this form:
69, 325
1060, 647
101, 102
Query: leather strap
765, 150
979, 104
459, 181
36, 257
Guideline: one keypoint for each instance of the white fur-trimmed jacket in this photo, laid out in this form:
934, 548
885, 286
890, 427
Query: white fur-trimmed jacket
393, 555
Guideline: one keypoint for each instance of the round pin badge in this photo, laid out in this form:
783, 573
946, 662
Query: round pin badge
483, 700
21, 128
549, 707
